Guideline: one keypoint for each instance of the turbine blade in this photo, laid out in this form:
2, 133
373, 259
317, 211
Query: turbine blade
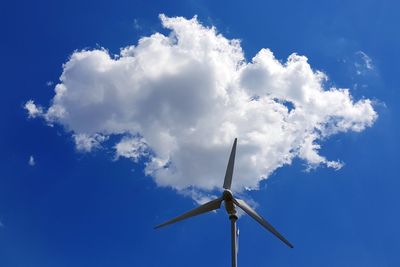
209, 206
229, 168
243, 205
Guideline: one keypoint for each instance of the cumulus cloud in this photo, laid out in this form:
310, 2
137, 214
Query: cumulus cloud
179, 100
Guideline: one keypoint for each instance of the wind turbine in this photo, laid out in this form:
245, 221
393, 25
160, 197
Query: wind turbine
230, 205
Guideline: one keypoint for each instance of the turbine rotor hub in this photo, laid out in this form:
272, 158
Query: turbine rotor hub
227, 195
229, 206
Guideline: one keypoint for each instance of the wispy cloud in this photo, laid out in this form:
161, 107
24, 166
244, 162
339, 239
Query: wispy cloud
31, 161
86, 143
33, 110
130, 147
179, 100
136, 25
363, 63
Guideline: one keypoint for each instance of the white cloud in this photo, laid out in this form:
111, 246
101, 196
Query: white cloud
131, 147
31, 161
33, 109
180, 100
87, 143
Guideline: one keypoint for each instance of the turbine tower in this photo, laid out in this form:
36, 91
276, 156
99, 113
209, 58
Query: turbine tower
230, 205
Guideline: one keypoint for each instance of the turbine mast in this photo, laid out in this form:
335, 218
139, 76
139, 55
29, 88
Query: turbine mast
233, 219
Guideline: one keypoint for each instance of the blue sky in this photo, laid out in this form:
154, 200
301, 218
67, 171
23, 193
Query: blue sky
86, 209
